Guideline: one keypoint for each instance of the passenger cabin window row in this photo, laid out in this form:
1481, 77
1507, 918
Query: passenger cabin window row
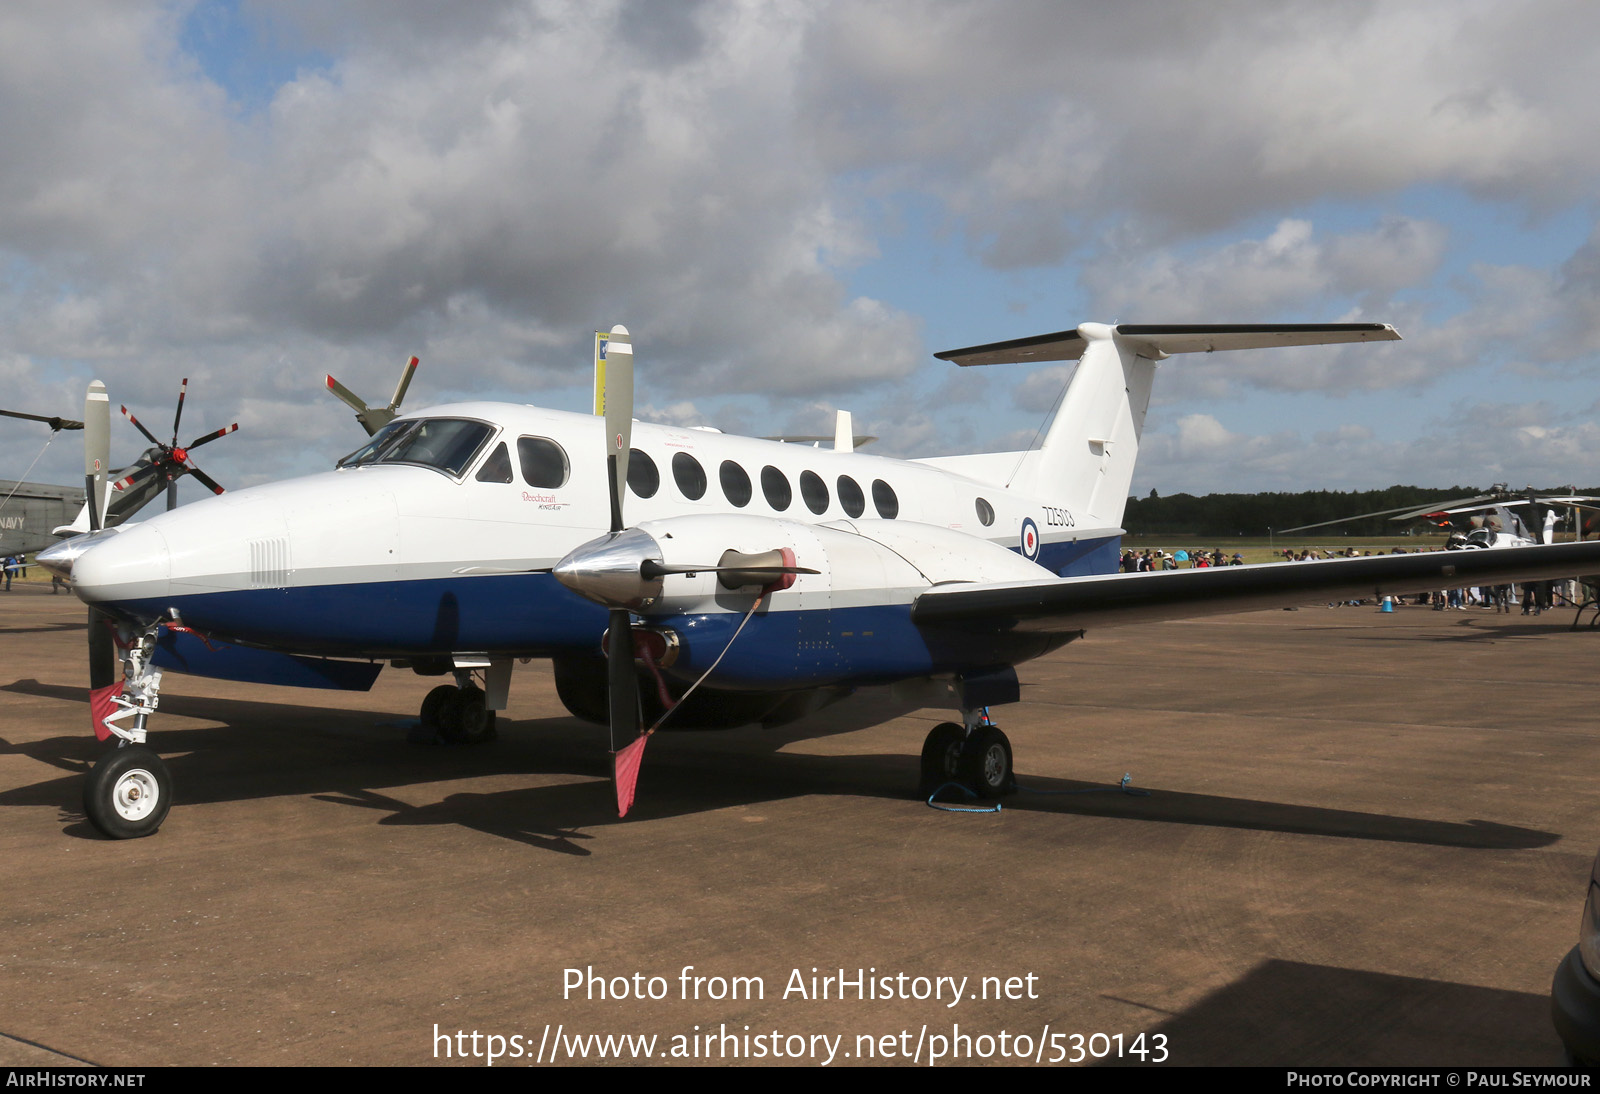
449, 445
644, 479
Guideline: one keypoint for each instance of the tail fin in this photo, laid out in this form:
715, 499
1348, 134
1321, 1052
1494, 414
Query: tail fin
1086, 460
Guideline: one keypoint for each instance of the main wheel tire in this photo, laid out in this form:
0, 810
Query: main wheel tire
128, 792
466, 719
985, 763
941, 755
435, 707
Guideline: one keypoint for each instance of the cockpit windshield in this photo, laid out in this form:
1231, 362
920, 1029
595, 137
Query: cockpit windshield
445, 444
368, 452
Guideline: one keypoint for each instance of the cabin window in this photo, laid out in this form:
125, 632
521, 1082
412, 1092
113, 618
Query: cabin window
884, 501
851, 497
985, 512
544, 462
644, 477
444, 444
814, 492
735, 483
775, 488
689, 475
497, 468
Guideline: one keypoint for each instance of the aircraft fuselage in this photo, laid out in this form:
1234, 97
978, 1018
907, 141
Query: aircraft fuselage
366, 560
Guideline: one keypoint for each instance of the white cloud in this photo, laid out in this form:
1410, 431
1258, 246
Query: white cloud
1470, 444
1288, 269
485, 184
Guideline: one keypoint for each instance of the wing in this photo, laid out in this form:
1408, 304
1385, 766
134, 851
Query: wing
1079, 603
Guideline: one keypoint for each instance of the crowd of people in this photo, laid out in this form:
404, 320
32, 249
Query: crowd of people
1533, 597
1151, 559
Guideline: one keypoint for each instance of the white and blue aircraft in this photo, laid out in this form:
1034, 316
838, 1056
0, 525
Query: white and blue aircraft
781, 577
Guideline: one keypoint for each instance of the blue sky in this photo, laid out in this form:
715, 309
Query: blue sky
792, 206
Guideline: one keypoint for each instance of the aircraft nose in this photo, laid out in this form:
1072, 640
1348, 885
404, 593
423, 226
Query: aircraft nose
59, 557
132, 565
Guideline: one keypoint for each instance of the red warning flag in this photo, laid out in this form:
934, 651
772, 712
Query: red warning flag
101, 703
625, 773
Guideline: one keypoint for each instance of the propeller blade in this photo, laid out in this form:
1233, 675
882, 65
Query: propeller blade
96, 452
405, 382
346, 396
1406, 512
205, 480
650, 569
619, 417
144, 472
183, 392
137, 424
53, 423
104, 679
621, 688
209, 437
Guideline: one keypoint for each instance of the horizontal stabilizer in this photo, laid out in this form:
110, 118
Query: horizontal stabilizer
1068, 345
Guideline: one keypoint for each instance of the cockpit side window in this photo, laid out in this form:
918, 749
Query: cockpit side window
544, 462
497, 468
445, 444
370, 451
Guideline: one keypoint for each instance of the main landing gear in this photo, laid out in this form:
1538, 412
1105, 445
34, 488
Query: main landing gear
457, 713
975, 754
129, 790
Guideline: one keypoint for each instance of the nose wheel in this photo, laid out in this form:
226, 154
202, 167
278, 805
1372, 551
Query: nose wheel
128, 792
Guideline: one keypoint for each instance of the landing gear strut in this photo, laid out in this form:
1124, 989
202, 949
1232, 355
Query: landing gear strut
457, 713
975, 754
129, 790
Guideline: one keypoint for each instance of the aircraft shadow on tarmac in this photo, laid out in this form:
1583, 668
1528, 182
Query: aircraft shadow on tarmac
345, 757
1470, 629
47, 628
1289, 1014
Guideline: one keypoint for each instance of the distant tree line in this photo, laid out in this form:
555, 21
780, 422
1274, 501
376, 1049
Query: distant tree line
1256, 514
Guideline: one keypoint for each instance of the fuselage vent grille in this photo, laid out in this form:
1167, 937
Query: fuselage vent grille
269, 563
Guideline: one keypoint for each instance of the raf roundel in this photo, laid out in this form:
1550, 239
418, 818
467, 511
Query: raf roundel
1030, 539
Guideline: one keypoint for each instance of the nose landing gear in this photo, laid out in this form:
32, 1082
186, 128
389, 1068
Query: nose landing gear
128, 792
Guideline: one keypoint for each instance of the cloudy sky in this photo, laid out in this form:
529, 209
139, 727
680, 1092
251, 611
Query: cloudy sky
793, 205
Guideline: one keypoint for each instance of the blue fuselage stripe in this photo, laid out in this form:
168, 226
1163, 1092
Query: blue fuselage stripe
532, 615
